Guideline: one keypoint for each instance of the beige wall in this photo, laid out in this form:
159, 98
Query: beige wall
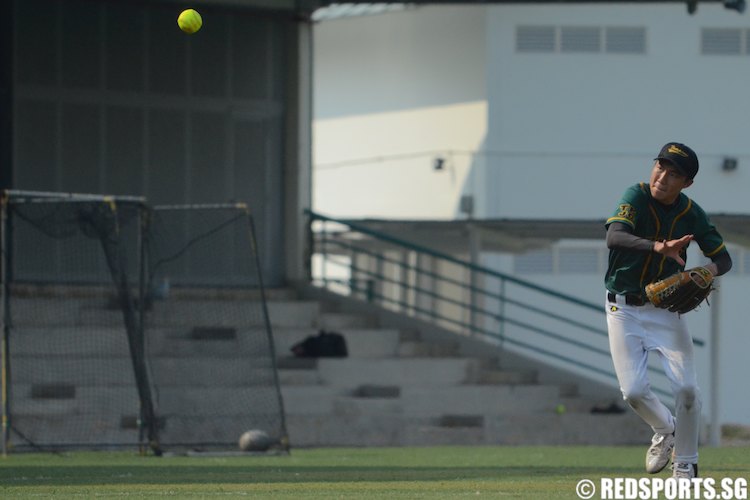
392, 92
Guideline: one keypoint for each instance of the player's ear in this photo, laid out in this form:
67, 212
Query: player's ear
688, 183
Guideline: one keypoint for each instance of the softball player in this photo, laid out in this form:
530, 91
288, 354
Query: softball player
647, 237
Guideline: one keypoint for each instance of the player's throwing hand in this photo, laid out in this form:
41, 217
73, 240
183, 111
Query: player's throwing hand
673, 248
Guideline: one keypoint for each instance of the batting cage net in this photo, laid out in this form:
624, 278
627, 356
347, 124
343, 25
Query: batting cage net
74, 369
125, 325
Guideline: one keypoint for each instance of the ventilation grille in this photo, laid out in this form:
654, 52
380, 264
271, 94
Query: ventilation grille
725, 41
578, 39
625, 40
581, 39
536, 39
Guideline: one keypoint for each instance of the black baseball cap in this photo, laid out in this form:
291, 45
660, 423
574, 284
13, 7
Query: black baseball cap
681, 156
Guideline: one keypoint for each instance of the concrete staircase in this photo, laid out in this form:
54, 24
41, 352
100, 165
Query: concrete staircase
397, 388
400, 385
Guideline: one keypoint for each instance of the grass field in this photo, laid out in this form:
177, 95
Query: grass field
440, 472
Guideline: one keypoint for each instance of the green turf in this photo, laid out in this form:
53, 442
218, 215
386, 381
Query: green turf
434, 472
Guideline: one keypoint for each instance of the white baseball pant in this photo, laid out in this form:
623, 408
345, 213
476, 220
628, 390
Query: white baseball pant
636, 331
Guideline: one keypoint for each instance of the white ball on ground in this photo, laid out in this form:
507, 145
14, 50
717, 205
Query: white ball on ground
254, 440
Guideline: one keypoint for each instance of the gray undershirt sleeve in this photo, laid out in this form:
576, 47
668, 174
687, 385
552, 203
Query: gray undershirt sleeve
620, 236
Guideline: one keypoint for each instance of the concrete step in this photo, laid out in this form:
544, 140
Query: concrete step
312, 430
186, 312
347, 430
50, 429
232, 313
551, 429
415, 372
420, 349
83, 371
508, 377
69, 340
428, 434
299, 377
338, 321
479, 400
216, 401
98, 400
82, 400
212, 372
113, 342
208, 343
368, 406
176, 429
118, 371
410, 401
310, 400
393, 429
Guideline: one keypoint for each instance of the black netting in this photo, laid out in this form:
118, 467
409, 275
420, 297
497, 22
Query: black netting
127, 325
209, 341
77, 372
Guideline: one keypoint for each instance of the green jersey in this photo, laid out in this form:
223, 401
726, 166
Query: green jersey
629, 271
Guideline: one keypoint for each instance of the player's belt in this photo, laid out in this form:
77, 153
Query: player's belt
631, 300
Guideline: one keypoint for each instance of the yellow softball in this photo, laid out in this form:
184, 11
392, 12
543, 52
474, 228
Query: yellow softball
189, 21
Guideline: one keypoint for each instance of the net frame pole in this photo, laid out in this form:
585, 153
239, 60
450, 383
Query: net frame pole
267, 318
4, 321
132, 322
141, 311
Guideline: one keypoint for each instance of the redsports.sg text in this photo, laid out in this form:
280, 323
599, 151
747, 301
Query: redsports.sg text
646, 488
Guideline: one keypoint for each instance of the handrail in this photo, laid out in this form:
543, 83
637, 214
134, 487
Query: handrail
469, 265
363, 268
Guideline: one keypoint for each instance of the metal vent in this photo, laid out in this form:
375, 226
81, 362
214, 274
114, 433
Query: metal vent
580, 39
578, 260
535, 262
722, 41
535, 39
621, 40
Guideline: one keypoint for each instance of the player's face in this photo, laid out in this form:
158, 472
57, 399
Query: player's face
667, 182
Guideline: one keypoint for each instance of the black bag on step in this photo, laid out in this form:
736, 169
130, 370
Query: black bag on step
323, 345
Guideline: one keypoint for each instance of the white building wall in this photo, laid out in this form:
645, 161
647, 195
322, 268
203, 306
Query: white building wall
568, 131
393, 92
557, 135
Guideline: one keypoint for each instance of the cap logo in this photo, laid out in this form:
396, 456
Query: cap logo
677, 151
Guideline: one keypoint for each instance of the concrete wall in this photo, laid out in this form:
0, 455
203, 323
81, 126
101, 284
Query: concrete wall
392, 93
593, 122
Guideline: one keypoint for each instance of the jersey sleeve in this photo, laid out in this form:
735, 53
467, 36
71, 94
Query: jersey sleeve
629, 207
707, 236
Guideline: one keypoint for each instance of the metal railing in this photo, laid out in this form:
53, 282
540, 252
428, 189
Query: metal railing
503, 310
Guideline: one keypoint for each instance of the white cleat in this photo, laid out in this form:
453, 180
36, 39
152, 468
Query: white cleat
659, 453
684, 471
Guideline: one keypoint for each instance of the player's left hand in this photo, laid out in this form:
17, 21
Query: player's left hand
682, 292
